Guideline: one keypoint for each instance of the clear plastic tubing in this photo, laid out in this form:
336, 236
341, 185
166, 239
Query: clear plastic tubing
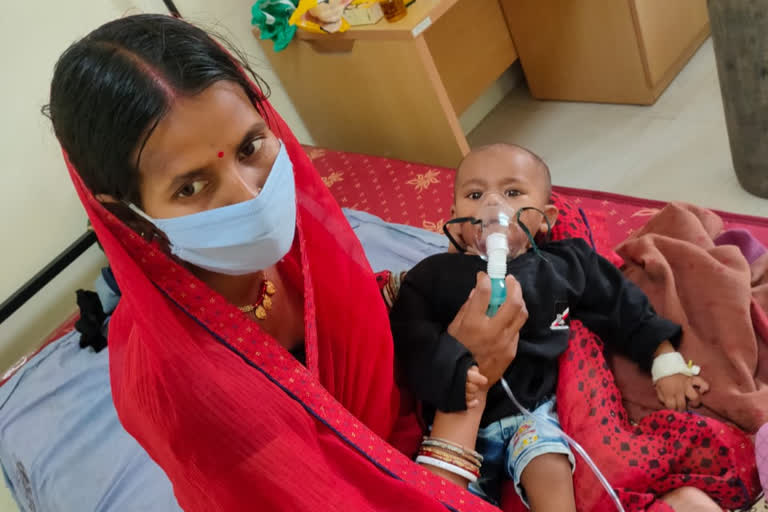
498, 249
576, 446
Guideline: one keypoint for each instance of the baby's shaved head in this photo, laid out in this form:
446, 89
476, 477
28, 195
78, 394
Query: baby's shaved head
512, 153
509, 175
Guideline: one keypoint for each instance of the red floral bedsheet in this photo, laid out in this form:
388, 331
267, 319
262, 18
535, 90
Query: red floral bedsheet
666, 450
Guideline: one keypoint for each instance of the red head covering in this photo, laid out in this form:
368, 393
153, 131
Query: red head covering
232, 418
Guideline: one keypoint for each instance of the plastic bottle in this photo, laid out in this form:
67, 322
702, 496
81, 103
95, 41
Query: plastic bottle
394, 10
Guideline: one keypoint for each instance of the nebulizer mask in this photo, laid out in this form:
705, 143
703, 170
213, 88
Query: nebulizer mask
497, 234
496, 223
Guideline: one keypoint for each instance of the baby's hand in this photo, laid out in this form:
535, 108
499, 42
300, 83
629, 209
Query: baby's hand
673, 391
476, 384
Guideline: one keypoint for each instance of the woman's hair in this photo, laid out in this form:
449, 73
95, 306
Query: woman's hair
112, 88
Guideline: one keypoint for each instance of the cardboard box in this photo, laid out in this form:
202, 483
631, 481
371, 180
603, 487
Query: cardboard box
365, 13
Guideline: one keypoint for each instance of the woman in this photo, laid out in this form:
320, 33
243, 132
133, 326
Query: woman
250, 353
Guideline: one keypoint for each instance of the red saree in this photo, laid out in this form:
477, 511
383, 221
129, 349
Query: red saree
238, 424
232, 418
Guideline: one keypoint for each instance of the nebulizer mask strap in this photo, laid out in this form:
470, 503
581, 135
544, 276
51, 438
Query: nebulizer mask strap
475, 221
527, 231
458, 221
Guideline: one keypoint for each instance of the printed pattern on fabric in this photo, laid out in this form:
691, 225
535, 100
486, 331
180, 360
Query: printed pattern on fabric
314, 398
422, 181
666, 450
380, 186
298, 381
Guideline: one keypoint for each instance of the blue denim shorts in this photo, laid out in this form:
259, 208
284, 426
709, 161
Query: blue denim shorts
510, 444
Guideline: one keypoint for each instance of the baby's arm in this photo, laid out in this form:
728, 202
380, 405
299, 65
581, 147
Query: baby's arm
433, 362
621, 314
676, 390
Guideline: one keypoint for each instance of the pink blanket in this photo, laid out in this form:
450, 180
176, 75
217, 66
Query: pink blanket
718, 298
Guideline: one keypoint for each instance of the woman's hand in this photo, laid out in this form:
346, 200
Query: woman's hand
492, 341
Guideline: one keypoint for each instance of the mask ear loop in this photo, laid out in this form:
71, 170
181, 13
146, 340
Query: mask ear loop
458, 220
528, 232
150, 231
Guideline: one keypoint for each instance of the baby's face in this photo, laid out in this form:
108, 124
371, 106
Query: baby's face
507, 173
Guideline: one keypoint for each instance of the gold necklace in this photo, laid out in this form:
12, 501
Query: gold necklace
264, 303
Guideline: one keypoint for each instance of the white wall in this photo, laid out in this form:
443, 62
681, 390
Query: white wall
40, 211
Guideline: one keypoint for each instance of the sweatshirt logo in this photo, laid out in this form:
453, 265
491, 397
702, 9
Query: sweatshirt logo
561, 322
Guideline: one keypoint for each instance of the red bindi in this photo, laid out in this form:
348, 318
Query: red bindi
221, 154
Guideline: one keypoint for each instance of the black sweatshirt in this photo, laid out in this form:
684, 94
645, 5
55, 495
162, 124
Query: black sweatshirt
568, 274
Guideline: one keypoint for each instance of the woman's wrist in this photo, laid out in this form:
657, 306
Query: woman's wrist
460, 428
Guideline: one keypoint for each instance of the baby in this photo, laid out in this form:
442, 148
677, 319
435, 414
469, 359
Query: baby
561, 279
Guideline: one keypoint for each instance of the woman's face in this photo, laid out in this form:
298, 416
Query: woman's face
210, 150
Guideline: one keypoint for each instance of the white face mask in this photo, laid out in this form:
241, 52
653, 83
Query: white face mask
241, 238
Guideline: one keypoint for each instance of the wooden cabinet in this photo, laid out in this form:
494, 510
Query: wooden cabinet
397, 89
614, 51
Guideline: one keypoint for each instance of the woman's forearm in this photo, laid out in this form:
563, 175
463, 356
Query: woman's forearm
460, 428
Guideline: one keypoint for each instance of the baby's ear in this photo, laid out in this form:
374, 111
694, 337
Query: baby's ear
550, 214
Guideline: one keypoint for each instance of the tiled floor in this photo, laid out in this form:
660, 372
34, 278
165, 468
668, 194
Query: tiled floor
676, 149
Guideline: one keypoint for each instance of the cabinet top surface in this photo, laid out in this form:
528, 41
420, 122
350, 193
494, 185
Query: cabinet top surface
420, 16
